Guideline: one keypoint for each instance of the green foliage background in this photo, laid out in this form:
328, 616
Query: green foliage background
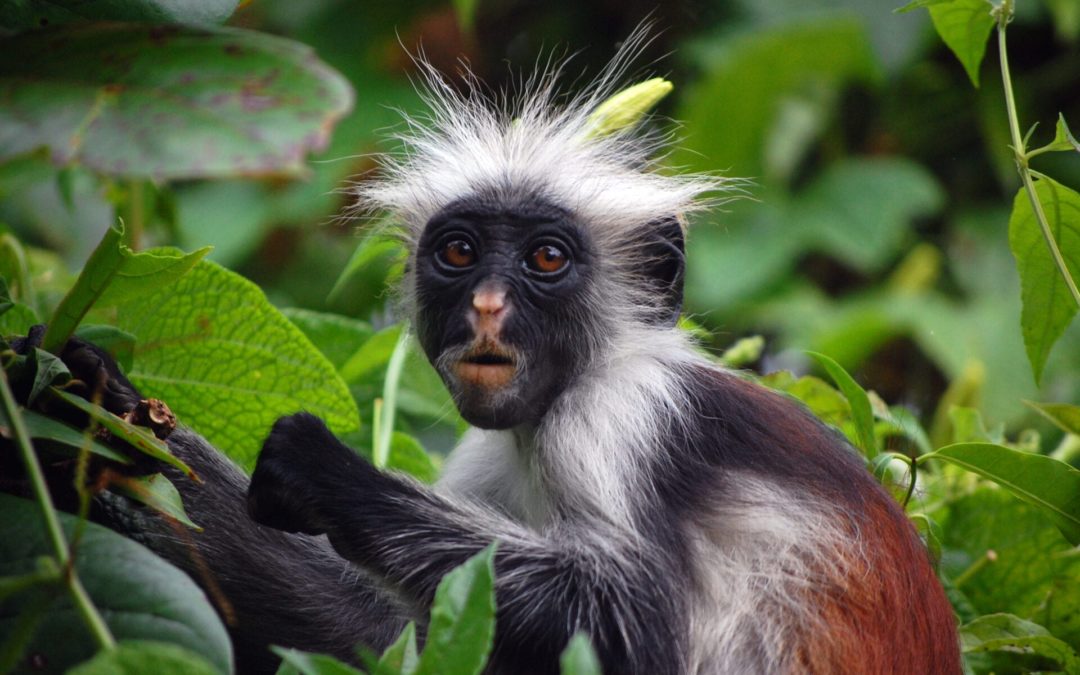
881, 227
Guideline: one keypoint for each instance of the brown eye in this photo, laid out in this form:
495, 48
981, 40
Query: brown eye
458, 253
547, 259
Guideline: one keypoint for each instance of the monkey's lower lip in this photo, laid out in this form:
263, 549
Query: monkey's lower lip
490, 371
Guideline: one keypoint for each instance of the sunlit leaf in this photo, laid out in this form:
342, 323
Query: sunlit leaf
965, 26
1050, 484
228, 363
1048, 305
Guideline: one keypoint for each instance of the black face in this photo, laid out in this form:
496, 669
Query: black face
501, 301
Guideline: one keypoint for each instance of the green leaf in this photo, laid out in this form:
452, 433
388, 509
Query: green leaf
823, 400
57, 434
312, 664
1064, 415
1063, 141
95, 277
965, 26
1006, 632
730, 112
579, 658
931, 534
149, 271
119, 344
157, 492
918, 4
462, 628
1048, 306
860, 210
372, 247
1052, 485
1033, 570
228, 363
337, 337
140, 595
50, 370
400, 657
24, 14
373, 355
408, 456
137, 437
167, 102
861, 413
17, 320
137, 657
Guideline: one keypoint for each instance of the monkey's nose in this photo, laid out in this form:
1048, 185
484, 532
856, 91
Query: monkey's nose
489, 298
490, 306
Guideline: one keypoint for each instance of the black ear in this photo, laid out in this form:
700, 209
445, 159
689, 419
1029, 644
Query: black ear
665, 267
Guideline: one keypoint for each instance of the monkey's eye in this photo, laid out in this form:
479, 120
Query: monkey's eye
547, 259
457, 253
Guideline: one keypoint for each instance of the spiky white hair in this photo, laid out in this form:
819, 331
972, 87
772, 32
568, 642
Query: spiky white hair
473, 143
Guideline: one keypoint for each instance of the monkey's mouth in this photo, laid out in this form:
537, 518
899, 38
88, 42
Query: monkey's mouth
489, 366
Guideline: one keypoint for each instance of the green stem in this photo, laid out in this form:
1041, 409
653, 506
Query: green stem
985, 559
1004, 15
80, 598
135, 215
380, 453
914, 470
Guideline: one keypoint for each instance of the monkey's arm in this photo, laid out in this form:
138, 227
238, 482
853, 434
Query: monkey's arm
271, 588
547, 585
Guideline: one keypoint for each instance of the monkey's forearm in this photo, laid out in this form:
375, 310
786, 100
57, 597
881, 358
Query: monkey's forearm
547, 587
269, 587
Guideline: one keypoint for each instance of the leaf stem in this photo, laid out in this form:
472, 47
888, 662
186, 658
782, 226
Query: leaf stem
380, 453
80, 598
1004, 14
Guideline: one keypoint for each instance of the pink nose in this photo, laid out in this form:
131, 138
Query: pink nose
489, 309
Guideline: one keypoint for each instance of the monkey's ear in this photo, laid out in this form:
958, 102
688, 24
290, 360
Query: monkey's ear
665, 255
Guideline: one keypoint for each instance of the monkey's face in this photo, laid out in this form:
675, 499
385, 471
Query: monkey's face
501, 302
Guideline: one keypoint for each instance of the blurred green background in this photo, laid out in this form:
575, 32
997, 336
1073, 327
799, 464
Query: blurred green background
874, 228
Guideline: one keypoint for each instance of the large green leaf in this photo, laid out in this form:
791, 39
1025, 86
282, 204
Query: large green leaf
149, 271
137, 657
228, 363
1048, 305
462, 627
729, 113
167, 102
964, 25
1050, 484
1031, 574
22, 14
140, 596
860, 210
1006, 632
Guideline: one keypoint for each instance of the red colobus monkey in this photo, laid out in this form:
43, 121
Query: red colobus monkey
685, 519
